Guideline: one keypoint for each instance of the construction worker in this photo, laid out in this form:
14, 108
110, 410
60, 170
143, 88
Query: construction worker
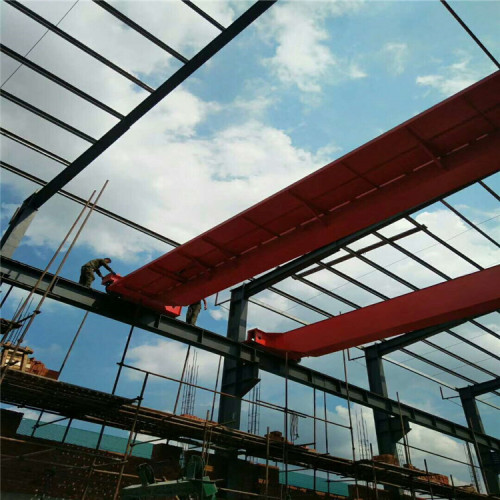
193, 311
91, 267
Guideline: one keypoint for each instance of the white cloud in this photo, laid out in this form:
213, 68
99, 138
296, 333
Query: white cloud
397, 54
152, 357
454, 77
303, 57
219, 314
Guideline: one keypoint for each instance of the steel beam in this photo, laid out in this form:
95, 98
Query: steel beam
46, 116
465, 297
482, 387
473, 157
402, 341
70, 292
489, 460
97, 208
17, 226
59, 81
237, 377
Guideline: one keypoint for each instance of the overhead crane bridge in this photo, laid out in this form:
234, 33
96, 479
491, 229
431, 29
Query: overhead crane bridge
440, 151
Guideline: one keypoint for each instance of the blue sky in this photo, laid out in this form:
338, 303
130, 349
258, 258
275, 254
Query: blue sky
305, 84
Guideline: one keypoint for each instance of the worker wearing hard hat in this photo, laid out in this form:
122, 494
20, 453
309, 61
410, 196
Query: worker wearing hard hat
91, 267
193, 311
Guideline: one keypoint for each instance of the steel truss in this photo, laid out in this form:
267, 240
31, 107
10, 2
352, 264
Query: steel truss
69, 292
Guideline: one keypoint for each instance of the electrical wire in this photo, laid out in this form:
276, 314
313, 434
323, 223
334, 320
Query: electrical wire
37, 42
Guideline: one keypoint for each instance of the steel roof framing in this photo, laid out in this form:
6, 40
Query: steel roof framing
23, 217
59, 81
71, 293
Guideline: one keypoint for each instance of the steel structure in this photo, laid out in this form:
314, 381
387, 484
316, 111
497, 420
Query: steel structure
242, 363
468, 296
21, 220
436, 153
71, 293
95, 406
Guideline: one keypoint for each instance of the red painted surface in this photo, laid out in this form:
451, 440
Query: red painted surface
151, 303
435, 153
471, 295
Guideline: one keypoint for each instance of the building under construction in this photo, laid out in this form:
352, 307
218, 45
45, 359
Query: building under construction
256, 413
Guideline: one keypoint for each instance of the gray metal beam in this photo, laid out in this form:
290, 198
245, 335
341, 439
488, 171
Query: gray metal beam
70, 292
59, 81
97, 208
16, 230
402, 341
482, 387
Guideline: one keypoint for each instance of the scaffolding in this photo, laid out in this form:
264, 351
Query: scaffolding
205, 435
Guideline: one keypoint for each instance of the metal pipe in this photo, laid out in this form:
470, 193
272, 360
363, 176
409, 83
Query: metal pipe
350, 417
326, 438
63, 364
128, 450
53, 258
258, 401
472, 467
374, 473
56, 274
66, 255
428, 479
285, 441
6, 296
182, 378
267, 463
216, 385
314, 433
479, 458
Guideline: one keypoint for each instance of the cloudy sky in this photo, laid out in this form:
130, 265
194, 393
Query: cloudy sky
306, 83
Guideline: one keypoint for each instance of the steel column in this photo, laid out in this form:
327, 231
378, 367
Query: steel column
489, 459
387, 427
237, 377
71, 293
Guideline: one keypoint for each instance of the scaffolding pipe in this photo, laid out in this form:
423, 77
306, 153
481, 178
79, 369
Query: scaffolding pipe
128, 450
56, 274
56, 253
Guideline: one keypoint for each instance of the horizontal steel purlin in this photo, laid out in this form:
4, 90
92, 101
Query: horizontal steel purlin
71, 293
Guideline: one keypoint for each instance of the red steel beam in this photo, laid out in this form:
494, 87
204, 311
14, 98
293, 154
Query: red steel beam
429, 183
465, 130
468, 296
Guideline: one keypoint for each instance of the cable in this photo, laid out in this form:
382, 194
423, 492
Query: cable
38, 41
474, 37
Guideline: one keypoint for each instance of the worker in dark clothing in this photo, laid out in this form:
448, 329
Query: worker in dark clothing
193, 311
91, 267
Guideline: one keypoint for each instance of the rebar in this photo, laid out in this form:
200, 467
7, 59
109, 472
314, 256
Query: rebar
428, 479
346, 378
